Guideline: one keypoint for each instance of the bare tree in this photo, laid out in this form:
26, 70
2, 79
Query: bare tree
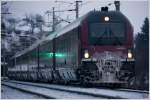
39, 22
12, 25
35, 21
30, 20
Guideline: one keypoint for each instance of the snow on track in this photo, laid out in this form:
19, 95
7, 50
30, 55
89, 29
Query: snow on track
50, 92
9, 93
131, 90
95, 91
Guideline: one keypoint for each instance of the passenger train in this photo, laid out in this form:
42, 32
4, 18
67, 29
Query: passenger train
96, 48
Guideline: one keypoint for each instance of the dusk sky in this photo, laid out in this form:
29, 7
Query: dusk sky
135, 10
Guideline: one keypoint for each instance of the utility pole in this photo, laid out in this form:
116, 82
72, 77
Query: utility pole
38, 61
54, 16
77, 8
53, 26
53, 44
4, 13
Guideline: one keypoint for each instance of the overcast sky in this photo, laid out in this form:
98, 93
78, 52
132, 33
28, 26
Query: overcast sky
135, 10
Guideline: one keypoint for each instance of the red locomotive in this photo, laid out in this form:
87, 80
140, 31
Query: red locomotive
95, 48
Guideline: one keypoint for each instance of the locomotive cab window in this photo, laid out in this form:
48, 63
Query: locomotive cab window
106, 33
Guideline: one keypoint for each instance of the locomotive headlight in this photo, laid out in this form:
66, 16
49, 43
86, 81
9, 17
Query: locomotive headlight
106, 18
86, 54
129, 54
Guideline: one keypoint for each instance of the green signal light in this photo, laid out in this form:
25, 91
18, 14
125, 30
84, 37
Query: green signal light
49, 55
59, 55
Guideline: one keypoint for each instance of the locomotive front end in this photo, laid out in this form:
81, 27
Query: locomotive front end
107, 42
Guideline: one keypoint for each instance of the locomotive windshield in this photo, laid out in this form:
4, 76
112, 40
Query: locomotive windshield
106, 33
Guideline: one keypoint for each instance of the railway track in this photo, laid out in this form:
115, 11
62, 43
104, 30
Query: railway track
49, 92
27, 91
17, 93
77, 92
131, 90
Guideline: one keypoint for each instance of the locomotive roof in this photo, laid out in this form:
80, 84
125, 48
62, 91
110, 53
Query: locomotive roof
67, 28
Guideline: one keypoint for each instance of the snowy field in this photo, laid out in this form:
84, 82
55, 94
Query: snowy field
9, 93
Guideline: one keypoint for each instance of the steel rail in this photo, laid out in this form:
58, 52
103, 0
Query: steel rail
132, 90
27, 91
71, 91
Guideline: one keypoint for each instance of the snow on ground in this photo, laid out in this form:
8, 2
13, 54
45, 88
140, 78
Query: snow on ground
9, 93
109, 92
53, 93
